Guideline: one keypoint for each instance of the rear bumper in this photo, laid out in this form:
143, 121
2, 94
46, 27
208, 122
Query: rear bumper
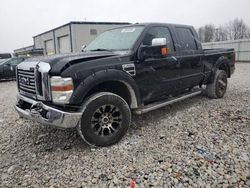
39, 112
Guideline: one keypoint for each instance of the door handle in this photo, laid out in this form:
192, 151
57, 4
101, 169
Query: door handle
173, 60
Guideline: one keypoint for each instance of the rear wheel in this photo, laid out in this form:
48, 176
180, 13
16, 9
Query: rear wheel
105, 120
218, 87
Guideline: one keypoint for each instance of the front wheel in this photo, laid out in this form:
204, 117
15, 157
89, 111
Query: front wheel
105, 120
218, 87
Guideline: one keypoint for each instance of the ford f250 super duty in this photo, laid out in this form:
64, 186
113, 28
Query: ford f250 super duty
136, 68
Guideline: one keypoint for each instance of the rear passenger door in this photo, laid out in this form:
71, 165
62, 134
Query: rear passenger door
189, 57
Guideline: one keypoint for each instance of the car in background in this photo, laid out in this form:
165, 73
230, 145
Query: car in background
6, 55
8, 67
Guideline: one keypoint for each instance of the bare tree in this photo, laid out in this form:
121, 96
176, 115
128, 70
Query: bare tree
220, 34
237, 29
209, 33
248, 32
201, 34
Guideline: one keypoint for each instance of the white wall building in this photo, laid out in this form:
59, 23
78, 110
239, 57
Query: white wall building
71, 36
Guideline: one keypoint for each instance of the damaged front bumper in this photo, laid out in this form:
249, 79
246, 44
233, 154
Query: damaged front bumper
39, 112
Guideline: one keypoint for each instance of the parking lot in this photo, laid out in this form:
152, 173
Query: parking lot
198, 142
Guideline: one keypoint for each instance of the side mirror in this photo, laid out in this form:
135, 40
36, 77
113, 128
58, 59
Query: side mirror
159, 42
157, 50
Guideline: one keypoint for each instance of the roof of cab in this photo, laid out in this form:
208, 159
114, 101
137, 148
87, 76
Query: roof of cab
160, 23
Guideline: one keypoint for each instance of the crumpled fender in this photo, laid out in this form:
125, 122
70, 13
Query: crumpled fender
99, 77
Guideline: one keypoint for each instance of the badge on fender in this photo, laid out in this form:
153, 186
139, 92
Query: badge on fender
129, 68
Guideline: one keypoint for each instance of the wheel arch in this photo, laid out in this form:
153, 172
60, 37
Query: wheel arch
223, 64
114, 81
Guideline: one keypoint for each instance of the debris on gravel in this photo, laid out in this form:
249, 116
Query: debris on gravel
198, 142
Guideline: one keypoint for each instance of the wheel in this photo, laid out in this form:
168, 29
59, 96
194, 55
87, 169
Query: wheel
218, 87
105, 120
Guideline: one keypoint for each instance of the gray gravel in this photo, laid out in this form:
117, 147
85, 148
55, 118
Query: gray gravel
195, 143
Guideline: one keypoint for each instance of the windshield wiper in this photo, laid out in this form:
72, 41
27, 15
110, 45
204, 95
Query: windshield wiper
100, 49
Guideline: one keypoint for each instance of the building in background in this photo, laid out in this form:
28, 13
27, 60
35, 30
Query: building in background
71, 36
67, 38
28, 51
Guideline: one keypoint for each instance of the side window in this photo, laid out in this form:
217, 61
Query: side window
13, 62
158, 32
186, 38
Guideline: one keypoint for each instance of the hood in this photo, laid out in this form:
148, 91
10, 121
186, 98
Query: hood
61, 61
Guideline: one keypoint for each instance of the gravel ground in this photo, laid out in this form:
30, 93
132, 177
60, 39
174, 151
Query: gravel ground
195, 143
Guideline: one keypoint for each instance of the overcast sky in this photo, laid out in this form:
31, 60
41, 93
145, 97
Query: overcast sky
20, 20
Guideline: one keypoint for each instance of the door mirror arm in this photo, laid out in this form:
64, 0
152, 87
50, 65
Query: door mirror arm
156, 52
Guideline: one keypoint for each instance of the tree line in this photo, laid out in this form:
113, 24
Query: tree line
233, 30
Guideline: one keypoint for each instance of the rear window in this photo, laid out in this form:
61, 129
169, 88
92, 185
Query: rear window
186, 38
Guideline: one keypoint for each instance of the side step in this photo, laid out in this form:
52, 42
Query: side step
161, 104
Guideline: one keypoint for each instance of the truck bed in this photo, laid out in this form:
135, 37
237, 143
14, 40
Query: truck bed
208, 52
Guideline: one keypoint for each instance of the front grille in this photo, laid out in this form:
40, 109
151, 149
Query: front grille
33, 80
26, 81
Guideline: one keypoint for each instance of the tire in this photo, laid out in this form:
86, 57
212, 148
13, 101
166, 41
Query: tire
218, 87
105, 120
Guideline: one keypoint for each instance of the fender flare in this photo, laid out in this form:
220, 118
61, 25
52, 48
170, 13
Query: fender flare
99, 77
222, 60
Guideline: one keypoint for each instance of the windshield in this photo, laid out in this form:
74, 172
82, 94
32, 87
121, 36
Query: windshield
116, 39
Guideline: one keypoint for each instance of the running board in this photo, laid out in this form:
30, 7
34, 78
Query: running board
161, 104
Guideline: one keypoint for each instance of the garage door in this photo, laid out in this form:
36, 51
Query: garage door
49, 47
64, 44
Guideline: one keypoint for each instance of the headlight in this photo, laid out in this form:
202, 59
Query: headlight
61, 89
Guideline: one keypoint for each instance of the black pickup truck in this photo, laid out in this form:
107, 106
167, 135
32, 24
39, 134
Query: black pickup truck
136, 68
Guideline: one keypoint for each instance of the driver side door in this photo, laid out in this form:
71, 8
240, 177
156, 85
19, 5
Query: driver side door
157, 77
